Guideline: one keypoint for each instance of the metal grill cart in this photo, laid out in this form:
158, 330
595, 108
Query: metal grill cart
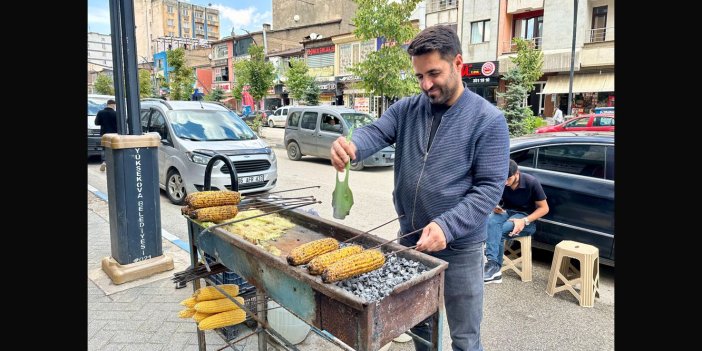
351, 321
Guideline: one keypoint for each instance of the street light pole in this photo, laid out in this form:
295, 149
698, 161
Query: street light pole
572, 58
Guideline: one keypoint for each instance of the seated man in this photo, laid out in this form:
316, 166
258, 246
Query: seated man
524, 203
332, 125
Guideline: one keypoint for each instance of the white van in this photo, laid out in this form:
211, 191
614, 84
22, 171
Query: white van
278, 117
96, 103
191, 133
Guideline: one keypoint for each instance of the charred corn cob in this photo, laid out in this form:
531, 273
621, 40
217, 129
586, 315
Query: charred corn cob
214, 214
211, 293
321, 262
223, 319
190, 302
306, 252
185, 210
186, 313
199, 316
212, 198
365, 261
219, 305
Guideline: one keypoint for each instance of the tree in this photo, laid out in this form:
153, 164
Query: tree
255, 72
181, 77
103, 84
146, 89
298, 80
388, 71
312, 94
215, 94
520, 81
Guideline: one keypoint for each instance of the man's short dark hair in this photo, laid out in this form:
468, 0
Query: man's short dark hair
513, 168
111, 102
436, 38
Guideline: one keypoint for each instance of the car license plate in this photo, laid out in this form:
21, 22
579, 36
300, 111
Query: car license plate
251, 179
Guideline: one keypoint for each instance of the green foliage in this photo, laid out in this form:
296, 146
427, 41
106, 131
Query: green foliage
181, 77
146, 89
312, 94
104, 85
215, 94
520, 81
255, 72
298, 78
381, 72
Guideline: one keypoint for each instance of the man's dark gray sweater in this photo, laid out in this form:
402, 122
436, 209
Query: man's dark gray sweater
459, 180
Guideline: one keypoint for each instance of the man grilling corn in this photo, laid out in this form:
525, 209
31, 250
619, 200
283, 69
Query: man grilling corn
448, 176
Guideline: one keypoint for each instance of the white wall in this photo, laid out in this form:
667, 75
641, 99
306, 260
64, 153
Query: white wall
479, 10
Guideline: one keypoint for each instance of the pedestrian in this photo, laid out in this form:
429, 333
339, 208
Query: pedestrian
558, 116
524, 202
446, 179
107, 120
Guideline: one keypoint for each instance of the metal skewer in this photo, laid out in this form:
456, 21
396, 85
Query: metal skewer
370, 230
400, 250
399, 237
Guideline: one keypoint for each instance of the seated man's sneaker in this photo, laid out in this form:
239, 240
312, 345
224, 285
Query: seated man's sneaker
492, 273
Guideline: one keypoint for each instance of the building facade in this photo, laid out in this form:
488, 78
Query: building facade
297, 13
169, 24
99, 51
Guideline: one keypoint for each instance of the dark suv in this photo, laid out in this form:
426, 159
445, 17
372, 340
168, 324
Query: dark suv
576, 170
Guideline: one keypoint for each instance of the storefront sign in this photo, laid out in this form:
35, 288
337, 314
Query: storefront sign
348, 78
222, 62
321, 50
479, 69
482, 80
360, 104
325, 71
326, 86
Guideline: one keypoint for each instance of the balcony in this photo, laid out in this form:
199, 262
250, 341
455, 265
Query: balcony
598, 35
199, 19
519, 6
199, 32
441, 5
511, 47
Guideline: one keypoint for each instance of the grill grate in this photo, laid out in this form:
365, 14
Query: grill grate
248, 166
248, 186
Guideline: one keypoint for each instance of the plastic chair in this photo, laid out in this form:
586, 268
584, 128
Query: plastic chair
520, 264
563, 271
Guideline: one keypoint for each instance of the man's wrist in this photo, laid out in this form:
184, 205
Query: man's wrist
526, 221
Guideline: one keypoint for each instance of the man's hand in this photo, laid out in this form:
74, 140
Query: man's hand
518, 226
432, 239
342, 151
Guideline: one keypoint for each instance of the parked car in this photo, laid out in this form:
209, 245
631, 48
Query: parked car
191, 132
576, 171
605, 109
96, 103
278, 117
592, 122
308, 131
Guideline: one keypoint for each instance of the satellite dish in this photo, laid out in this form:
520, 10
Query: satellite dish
314, 35
296, 18
319, 36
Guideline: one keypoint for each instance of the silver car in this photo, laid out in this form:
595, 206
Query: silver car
191, 133
310, 130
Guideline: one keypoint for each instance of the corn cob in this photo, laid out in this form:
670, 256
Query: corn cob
365, 261
219, 305
211, 293
186, 313
190, 302
223, 319
306, 252
321, 262
212, 198
215, 213
185, 210
199, 316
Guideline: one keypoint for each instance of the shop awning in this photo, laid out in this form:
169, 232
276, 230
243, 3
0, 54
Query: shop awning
582, 83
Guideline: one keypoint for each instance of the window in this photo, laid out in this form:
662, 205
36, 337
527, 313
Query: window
293, 119
479, 32
599, 23
170, 9
221, 51
330, 123
145, 119
199, 26
104, 46
170, 23
580, 122
603, 122
529, 28
185, 12
524, 158
309, 121
103, 39
158, 124
585, 160
105, 61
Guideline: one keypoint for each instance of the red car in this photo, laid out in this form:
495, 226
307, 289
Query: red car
594, 122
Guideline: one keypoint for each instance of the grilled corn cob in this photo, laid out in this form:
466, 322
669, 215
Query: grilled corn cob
214, 214
306, 252
190, 302
199, 316
219, 305
321, 262
185, 210
223, 319
212, 198
186, 313
211, 293
365, 261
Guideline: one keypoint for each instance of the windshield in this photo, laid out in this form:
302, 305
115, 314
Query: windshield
355, 120
210, 125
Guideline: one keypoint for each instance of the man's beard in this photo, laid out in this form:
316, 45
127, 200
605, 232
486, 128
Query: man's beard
446, 92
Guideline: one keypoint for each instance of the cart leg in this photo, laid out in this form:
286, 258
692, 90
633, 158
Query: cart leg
437, 333
262, 313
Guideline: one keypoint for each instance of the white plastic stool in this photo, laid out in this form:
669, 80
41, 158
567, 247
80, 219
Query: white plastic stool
520, 264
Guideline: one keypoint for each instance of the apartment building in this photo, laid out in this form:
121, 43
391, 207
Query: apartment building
170, 24
297, 13
99, 51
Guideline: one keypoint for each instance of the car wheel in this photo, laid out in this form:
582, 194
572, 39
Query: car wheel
357, 167
270, 123
175, 188
294, 151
